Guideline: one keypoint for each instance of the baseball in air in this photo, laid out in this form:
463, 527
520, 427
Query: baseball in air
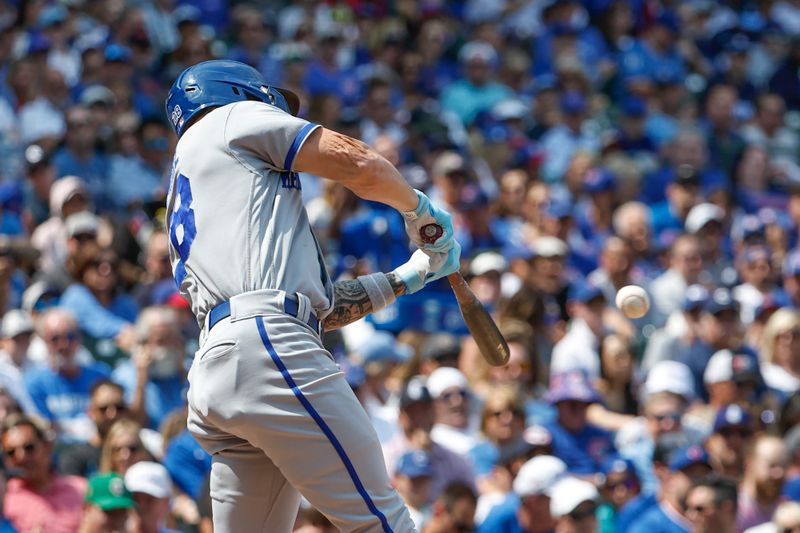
633, 301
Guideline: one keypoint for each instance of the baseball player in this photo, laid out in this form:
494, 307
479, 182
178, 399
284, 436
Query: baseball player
265, 398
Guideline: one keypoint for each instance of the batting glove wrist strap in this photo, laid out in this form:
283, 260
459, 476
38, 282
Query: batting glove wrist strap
413, 273
428, 213
378, 289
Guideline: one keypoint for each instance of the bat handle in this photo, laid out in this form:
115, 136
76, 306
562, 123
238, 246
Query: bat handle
430, 232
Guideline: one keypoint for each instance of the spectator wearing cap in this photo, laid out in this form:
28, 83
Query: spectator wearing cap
711, 505
755, 272
40, 175
453, 510
379, 355
780, 352
68, 196
109, 505
154, 378
412, 479
439, 350
38, 498
547, 270
685, 266
682, 328
452, 402
760, 490
478, 90
151, 487
80, 157
582, 446
573, 504
730, 378
579, 349
706, 221
667, 393
721, 328
620, 486
477, 233
631, 136
143, 156
730, 438
15, 338
449, 175
532, 486
768, 129
677, 470
416, 419
485, 277
570, 137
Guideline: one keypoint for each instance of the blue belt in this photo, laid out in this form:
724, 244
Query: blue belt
290, 307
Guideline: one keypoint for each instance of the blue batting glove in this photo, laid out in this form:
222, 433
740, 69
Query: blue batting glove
428, 213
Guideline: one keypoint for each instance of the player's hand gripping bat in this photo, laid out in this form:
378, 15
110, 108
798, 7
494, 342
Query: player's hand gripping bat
490, 342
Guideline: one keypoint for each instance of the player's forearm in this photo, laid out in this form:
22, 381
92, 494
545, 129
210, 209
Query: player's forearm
355, 165
351, 301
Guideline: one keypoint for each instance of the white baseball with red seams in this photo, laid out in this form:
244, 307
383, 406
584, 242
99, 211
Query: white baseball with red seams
633, 301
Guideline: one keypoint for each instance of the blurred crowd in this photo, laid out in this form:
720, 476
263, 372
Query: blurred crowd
580, 145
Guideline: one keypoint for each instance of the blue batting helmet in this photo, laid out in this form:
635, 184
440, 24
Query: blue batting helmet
219, 82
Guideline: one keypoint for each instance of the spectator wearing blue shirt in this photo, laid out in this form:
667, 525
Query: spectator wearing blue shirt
477, 91
103, 311
529, 510
654, 56
80, 157
62, 389
325, 76
154, 377
147, 161
582, 446
677, 472
564, 140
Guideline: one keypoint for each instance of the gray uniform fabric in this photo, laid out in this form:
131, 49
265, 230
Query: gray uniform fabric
265, 398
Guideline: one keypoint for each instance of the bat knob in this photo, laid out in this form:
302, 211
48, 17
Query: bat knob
430, 232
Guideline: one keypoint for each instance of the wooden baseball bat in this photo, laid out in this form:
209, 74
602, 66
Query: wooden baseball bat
490, 342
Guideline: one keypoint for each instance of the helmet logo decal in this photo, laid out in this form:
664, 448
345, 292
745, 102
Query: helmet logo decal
176, 115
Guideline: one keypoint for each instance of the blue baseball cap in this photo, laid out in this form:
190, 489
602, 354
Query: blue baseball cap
571, 385
669, 20
772, 301
415, 464
721, 300
686, 457
619, 465
116, 52
381, 346
52, 15
584, 292
634, 107
472, 197
558, 208
598, 180
750, 226
573, 102
732, 416
696, 296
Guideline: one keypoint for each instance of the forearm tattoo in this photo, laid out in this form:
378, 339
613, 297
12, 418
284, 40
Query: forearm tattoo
351, 301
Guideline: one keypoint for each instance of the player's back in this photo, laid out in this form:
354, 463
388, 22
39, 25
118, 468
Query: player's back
235, 213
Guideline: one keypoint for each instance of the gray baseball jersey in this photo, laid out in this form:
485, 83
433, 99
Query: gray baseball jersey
235, 212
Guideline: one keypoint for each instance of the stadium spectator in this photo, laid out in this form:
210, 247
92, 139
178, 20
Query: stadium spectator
780, 352
412, 479
711, 505
61, 390
452, 399
151, 488
106, 406
122, 447
762, 483
109, 505
38, 498
730, 439
573, 504
453, 510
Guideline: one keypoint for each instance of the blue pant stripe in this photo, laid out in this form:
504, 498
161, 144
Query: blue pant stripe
322, 425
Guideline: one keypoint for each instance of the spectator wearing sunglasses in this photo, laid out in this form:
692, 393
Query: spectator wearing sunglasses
711, 505
731, 437
122, 448
452, 401
103, 311
37, 497
453, 511
61, 390
106, 406
573, 504
621, 485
